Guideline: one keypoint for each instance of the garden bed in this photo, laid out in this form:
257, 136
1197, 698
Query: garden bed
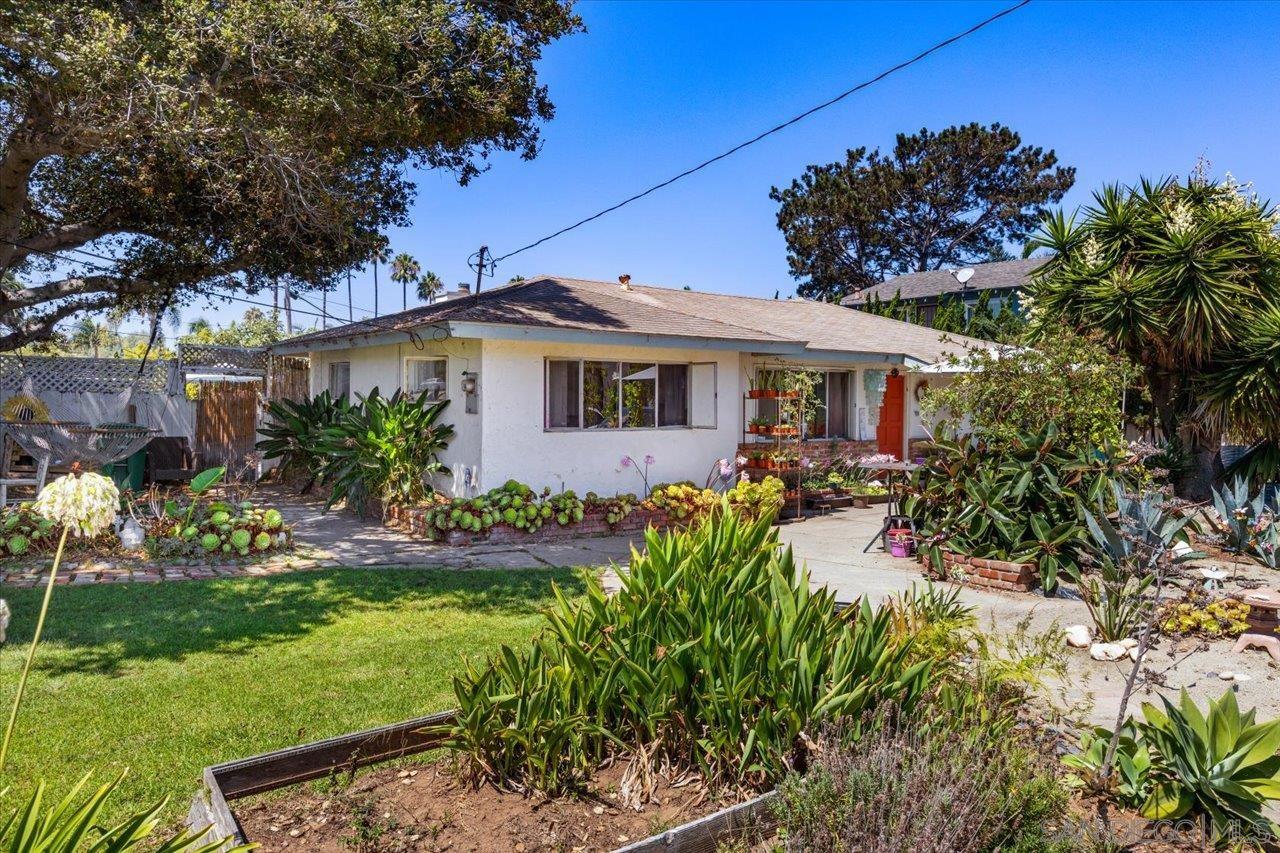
423, 805
415, 521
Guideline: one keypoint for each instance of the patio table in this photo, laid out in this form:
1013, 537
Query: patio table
891, 507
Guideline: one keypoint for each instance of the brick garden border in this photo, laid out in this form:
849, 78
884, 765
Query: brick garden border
993, 574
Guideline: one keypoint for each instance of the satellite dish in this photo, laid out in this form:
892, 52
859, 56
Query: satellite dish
963, 275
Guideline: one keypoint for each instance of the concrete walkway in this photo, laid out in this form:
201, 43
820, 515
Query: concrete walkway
831, 547
340, 538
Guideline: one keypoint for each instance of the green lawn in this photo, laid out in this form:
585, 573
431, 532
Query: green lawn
167, 678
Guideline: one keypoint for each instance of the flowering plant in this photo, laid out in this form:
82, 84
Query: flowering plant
83, 504
628, 462
872, 459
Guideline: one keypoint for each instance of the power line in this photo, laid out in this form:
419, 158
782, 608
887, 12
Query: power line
752, 141
383, 327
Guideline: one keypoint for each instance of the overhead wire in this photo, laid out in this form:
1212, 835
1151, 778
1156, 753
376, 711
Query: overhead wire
775, 129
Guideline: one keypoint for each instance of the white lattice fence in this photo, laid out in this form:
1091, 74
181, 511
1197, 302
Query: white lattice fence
59, 374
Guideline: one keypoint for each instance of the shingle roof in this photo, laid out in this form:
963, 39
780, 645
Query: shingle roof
584, 304
920, 285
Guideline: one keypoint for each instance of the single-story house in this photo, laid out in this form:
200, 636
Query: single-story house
553, 380
998, 281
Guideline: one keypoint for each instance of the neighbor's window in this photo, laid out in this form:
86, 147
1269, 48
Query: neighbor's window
426, 374
625, 395
340, 378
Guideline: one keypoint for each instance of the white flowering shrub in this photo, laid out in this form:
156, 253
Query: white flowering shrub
86, 504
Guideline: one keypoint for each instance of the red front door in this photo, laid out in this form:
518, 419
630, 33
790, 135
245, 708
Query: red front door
892, 410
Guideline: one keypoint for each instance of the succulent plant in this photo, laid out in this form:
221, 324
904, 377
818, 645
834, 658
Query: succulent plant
210, 541
18, 544
240, 539
262, 541
272, 519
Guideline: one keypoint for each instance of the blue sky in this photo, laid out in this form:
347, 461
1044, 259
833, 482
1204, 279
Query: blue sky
1117, 90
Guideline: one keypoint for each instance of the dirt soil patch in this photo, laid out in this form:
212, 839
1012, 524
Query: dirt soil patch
425, 807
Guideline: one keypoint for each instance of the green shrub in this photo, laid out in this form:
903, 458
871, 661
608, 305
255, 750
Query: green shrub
1023, 500
715, 656
1179, 760
293, 429
384, 448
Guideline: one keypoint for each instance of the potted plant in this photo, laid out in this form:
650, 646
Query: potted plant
755, 389
902, 542
756, 426
769, 382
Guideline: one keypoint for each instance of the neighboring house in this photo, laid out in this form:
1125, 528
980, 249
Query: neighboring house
553, 380
998, 281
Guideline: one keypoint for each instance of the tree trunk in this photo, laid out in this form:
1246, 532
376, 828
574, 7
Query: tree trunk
1172, 409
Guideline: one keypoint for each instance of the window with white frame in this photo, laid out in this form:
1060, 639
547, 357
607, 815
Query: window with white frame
340, 378
599, 395
426, 374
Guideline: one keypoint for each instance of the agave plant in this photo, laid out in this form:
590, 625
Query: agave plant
70, 825
1221, 762
1131, 785
1237, 512
714, 657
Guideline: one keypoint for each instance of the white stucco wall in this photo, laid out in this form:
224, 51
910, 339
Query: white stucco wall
383, 367
516, 445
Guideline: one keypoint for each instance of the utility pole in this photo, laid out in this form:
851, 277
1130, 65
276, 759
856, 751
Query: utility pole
351, 311
324, 308
288, 312
480, 268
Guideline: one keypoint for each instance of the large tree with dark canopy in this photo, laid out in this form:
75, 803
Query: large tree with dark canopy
211, 146
938, 199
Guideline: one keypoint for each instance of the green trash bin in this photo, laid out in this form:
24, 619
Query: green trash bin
130, 472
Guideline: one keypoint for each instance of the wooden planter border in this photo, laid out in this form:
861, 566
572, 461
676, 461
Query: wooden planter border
269, 771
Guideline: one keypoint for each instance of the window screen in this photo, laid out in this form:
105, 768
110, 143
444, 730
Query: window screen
340, 378
673, 395
564, 395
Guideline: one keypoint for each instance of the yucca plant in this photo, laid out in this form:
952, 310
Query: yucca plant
293, 428
1184, 280
714, 657
73, 825
1220, 762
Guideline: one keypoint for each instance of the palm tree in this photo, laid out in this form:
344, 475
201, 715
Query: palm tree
380, 255
429, 287
405, 269
1184, 280
91, 336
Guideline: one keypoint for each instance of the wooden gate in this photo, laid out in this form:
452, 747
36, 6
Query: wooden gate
226, 422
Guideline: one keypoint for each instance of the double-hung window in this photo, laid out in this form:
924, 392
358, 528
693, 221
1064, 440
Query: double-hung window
340, 378
598, 395
426, 374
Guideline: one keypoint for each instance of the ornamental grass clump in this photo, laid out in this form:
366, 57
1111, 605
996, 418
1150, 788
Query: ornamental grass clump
715, 657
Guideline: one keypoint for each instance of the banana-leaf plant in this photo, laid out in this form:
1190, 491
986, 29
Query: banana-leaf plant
385, 447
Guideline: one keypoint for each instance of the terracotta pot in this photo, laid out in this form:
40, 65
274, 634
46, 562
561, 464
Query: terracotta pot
754, 429
756, 393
